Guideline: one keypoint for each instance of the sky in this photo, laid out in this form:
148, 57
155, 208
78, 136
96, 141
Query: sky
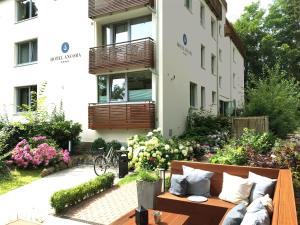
236, 7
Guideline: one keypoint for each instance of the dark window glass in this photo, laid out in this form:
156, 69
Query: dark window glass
117, 88
26, 98
26, 9
139, 86
102, 89
27, 52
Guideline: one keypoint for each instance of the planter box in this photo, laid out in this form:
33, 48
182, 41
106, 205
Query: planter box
147, 192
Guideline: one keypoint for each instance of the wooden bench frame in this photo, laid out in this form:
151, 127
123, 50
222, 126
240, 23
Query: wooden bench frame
214, 210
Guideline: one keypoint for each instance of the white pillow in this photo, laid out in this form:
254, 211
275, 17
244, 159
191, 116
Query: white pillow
266, 202
235, 189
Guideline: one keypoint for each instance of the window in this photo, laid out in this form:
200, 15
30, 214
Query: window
220, 82
126, 31
202, 97
202, 15
188, 4
233, 80
213, 27
122, 87
27, 52
214, 97
202, 56
26, 96
223, 108
233, 54
193, 95
213, 64
220, 55
26, 9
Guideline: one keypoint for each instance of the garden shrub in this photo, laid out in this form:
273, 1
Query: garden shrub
115, 145
148, 176
9, 137
153, 151
278, 97
4, 170
60, 200
201, 123
38, 151
231, 155
260, 142
99, 143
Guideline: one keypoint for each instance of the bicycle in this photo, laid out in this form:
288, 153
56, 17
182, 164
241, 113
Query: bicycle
103, 162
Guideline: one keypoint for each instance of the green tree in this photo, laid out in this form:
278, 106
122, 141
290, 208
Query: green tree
250, 29
278, 97
272, 38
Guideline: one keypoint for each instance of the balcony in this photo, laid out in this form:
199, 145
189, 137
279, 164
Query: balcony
216, 7
107, 7
122, 116
136, 54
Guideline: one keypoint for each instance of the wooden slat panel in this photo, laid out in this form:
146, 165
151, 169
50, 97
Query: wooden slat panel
123, 56
105, 7
122, 116
216, 7
284, 200
230, 32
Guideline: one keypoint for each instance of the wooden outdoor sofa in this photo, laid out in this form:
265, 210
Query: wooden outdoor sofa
214, 210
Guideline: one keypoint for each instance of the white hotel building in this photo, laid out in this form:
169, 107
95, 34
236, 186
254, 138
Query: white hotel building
121, 67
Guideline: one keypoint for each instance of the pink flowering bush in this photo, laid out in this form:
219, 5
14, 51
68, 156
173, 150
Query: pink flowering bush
38, 151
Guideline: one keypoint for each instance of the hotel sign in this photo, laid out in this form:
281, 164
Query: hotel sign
65, 57
183, 45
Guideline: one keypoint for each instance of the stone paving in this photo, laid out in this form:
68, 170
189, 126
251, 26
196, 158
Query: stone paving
32, 202
106, 207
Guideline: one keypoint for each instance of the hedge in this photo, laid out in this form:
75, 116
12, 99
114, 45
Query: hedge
60, 200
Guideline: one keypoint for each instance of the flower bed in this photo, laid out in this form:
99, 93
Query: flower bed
38, 152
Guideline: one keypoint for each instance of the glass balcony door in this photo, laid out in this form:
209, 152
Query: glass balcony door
127, 31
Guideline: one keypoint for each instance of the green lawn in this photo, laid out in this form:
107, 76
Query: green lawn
19, 177
128, 179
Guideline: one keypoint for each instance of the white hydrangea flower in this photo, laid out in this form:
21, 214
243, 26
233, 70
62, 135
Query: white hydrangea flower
167, 147
149, 134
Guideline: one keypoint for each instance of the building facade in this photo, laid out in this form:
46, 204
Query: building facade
121, 67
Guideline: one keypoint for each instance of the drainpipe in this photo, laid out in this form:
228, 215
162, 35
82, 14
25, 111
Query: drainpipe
218, 59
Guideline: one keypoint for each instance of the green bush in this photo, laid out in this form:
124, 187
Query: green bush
262, 143
115, 145
10, 135
148, 176
200, 123
278, 97
60, 200
231, 155
99, 143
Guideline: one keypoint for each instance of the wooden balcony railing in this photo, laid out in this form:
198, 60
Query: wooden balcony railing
134, 54
216, 7
107, 7
230, 32
122, 116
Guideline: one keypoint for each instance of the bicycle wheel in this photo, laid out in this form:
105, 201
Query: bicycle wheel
100, 165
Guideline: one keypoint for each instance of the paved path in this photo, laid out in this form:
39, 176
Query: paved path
106, 207
31, 202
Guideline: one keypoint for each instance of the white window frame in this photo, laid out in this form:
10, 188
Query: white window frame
203, 98
30, 52
202, 14
202, 56
194, 92
188, 4
213, 27
17, 91
213, 64
30, 11
214, 97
